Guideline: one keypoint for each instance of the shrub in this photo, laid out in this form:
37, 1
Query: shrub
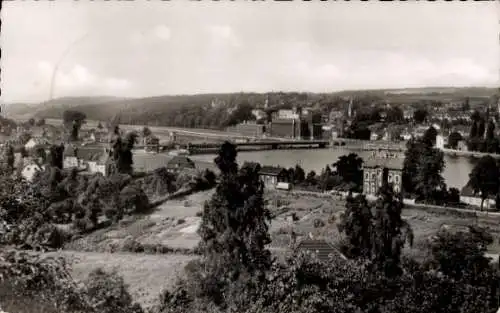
108, 293
31, 283
318, 223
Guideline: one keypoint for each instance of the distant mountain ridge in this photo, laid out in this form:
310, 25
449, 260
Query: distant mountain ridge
105, 107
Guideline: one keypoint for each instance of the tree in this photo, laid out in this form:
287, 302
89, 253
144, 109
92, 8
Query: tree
73, 121
475, 116
234, 229
122, 152
484, 178
453, 139
410, 164
390, 232
481, 127
356, 223
99, 126
428, 179
56, 156
466, 105
299, 175
350, 168
453, 196
473, 130
420, 115
311, 178
490, 131
324, 178
146, 132
10, 157
429, 137
460, 255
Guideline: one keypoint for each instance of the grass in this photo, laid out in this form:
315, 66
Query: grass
146, 275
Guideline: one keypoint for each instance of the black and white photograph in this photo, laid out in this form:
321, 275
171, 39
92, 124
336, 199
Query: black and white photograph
249, 156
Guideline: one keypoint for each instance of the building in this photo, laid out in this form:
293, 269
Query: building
259, 114
384, 167
180, 163
80, 157
30, 169
272, 175
248, 129
285, 128
468, 196
34, 142
152, 144
441, 141
287, 114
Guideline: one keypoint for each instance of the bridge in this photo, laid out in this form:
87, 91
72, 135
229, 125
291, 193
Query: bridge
210, 147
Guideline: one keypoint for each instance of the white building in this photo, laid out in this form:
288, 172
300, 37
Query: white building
440, 141
29, 171
33, 142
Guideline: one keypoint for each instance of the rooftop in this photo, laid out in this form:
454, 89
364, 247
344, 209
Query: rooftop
181, 162
271, 170
389, 163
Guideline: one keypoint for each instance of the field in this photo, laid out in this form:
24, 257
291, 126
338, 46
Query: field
174, 224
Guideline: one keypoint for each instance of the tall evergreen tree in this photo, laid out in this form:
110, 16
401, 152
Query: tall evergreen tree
390, 232
234, 230
481, 128
473, 130
357, 225
490, 131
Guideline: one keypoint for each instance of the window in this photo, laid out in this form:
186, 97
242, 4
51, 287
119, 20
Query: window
389, 178
367, 175
396, 179
374, 176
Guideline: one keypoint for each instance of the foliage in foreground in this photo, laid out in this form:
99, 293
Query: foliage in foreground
31, 283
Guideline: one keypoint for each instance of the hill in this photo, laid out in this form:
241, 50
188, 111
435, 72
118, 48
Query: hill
197, 110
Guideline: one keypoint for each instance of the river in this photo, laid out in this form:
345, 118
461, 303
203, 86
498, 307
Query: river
456, 172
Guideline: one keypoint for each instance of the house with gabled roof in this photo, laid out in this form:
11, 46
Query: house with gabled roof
180, 163
383, 167
273, 175
93, 159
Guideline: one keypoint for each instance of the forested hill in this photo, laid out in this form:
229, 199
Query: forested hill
211, 110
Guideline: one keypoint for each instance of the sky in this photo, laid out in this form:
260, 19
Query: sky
148, 48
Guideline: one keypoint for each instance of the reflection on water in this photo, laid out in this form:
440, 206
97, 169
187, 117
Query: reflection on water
456, 172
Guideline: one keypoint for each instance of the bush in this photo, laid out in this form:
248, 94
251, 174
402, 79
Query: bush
318, 223
108, 293
30, 283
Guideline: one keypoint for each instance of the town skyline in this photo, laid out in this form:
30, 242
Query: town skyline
234, 47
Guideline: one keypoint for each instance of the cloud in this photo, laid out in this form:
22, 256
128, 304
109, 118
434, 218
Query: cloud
151, 35
80, 80
162, 32
222, 34
117, 83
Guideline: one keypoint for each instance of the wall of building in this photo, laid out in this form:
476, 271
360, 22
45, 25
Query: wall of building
476, 201
70, 162
248, 129
373, 180
284, 128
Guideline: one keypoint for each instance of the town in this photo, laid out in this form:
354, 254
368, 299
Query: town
161, 158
